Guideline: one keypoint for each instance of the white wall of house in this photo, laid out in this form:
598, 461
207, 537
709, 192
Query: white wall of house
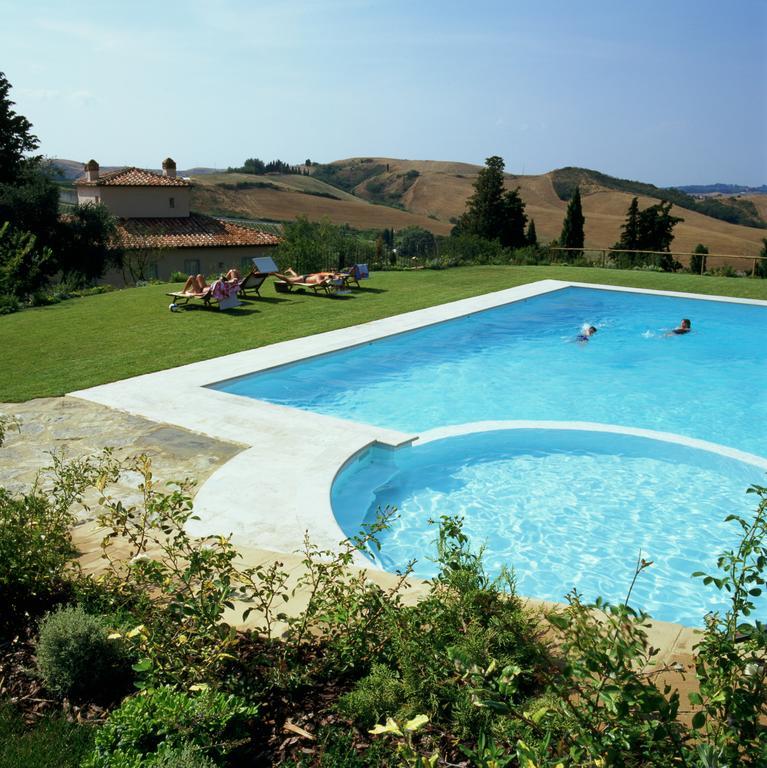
139, 202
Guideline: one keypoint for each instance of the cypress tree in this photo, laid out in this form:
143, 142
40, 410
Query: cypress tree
630, 230
572, 228
532, 236
512, 233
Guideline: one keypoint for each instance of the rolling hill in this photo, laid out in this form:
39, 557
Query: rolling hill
378, 192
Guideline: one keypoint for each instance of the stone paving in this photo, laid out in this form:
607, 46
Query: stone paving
79, 428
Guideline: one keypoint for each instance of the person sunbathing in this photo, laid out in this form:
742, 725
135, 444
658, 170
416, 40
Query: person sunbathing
311, 278
195, 284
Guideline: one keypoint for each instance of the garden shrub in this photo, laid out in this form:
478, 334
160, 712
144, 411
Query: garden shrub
76, 658
186, 756
374, 698
150, 726
9, 304
36, 551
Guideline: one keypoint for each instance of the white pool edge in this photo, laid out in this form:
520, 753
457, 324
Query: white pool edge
291, 457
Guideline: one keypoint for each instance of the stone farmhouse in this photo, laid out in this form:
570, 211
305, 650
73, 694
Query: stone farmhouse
157, 229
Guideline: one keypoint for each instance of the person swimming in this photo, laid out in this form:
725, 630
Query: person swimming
684, 327
586, 333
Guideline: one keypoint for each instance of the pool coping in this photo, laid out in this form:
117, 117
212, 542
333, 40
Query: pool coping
291, 457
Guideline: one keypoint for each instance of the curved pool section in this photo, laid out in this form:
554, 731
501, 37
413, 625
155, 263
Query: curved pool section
564, 507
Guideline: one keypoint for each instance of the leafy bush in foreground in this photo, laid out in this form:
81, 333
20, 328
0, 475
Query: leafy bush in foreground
36, 552
157, 721
75, 656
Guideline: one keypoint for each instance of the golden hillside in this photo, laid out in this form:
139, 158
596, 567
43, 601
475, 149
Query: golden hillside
432, 192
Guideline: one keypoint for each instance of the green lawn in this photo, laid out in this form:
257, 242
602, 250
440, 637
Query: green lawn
83, 342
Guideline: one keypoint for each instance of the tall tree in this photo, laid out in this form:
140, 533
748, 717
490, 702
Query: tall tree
512, 234
572, 228
656, 227
491, 212
649, 230
532, 235
15, 137
484, 209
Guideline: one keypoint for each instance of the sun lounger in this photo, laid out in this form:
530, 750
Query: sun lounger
286, 283
355, 273
220, 293
252, 282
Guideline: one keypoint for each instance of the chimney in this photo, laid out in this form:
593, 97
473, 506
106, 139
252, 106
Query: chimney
169, 168
91, 171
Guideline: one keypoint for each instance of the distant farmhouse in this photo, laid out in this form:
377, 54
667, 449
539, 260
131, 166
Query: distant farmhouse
155, 223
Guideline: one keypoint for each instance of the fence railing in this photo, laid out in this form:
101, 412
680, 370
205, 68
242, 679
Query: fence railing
603, 256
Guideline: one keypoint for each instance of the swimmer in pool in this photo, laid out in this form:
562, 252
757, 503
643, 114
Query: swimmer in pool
586, 333
684, 327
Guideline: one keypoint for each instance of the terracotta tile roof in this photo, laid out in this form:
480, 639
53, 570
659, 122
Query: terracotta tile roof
133, 177
194, 231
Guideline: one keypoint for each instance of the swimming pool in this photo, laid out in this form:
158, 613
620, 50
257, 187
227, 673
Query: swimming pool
565, 507
279, 486
519, 361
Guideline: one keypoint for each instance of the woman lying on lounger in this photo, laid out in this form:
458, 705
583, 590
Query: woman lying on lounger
196, 285
312, 278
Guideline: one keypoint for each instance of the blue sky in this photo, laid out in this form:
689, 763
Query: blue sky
668, 92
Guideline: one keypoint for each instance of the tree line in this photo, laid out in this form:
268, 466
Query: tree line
37, 246
258, 167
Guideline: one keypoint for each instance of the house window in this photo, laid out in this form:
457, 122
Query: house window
172, 201
192, 266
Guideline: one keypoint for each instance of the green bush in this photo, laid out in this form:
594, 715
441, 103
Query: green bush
178, 277
374, 698
187, 756
36, 551
149, 725
75, 657
9, 304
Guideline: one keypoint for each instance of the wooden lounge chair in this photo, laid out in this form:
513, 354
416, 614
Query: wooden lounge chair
252, 282
286, 283
210, 296
355, 273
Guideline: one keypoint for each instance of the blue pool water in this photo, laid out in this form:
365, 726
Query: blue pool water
564, 508
570, 515
519, 361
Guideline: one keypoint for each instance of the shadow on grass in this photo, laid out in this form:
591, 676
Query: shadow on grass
233, 312
264, 299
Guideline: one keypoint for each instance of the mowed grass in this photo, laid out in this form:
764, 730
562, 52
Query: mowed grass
98, 339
